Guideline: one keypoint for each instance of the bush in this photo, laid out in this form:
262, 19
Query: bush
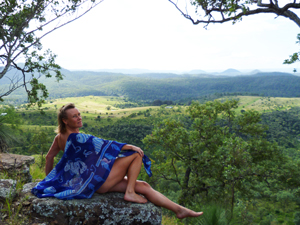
297, 218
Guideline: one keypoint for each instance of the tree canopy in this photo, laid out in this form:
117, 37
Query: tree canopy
220, 11
217, 154
23, 24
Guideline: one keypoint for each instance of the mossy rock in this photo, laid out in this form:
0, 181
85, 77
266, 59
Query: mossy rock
109, 208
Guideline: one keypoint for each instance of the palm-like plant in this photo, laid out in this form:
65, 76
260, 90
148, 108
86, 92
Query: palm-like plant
6, 135
214, 214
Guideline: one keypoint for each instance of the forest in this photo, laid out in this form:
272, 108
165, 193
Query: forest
146, 88
235, 158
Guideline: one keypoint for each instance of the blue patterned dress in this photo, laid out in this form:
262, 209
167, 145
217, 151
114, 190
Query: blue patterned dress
84, 167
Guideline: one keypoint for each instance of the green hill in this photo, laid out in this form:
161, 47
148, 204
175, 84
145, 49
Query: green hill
148, 87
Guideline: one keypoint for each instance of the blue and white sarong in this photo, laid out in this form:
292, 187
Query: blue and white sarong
84, 167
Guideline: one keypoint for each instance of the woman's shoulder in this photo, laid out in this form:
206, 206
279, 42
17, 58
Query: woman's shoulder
61, 139
64, 135
60, 136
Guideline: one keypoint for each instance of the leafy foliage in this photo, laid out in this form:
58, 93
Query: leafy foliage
211, 11
219, 155
177, 89
40, 143
22, 26
214, 214
221, 11
283, 127
294, 57
7, 132
270, 196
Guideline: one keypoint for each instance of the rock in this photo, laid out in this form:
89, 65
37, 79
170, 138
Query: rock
109, 208
7, 189
16, 165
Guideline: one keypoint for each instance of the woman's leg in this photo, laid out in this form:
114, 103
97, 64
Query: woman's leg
130, 165
156, 198
132, 174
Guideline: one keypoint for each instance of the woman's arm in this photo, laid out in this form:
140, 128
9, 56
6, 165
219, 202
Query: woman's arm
53, 151
134, 148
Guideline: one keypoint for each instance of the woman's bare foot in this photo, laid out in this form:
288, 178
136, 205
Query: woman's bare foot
133, 197
184, 212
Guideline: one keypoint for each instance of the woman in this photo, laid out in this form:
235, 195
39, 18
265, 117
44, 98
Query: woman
114, 178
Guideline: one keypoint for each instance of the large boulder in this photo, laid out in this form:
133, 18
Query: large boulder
108, 208
16, 166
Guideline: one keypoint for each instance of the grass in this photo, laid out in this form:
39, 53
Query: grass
37, 170
91, 104
11, 214
265, 104
93, 107
36, 128
166, 220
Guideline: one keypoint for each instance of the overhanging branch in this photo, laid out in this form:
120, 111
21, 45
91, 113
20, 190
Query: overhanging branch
238, 10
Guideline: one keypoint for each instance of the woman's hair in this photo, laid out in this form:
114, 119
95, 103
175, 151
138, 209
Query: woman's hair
62, 114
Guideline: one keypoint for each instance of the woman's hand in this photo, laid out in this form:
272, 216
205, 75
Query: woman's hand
134, 148
138, 150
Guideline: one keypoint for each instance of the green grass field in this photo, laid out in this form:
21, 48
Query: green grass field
92, 107
265, 104
95, 104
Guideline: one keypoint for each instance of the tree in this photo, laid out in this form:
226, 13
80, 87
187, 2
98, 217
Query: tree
40, 143
217, 155
294, 57
8, 132
221, 11
23, 24
6, 135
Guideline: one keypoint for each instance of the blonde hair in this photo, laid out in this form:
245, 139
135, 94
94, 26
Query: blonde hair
62, 114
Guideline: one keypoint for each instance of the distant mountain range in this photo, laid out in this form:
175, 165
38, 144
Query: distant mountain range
228, 72
166, 86
145, 71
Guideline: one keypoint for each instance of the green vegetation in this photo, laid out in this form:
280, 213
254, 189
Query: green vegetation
22, 27
220, 156
250, 174
146, 90
210, 12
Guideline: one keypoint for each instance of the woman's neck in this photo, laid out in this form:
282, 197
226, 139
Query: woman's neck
74, 130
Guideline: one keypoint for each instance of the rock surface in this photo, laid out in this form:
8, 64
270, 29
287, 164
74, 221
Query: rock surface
16, 165
108, 208
7, 189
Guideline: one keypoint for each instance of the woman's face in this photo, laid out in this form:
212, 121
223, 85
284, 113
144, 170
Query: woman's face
74, 118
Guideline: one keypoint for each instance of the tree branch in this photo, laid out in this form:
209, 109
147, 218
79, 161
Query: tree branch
239, 11
55, 28
175, 171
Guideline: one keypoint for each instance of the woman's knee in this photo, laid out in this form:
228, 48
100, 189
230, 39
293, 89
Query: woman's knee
143, 187
137, 155
145, 184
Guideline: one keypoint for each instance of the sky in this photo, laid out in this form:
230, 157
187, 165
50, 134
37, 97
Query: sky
152, 34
